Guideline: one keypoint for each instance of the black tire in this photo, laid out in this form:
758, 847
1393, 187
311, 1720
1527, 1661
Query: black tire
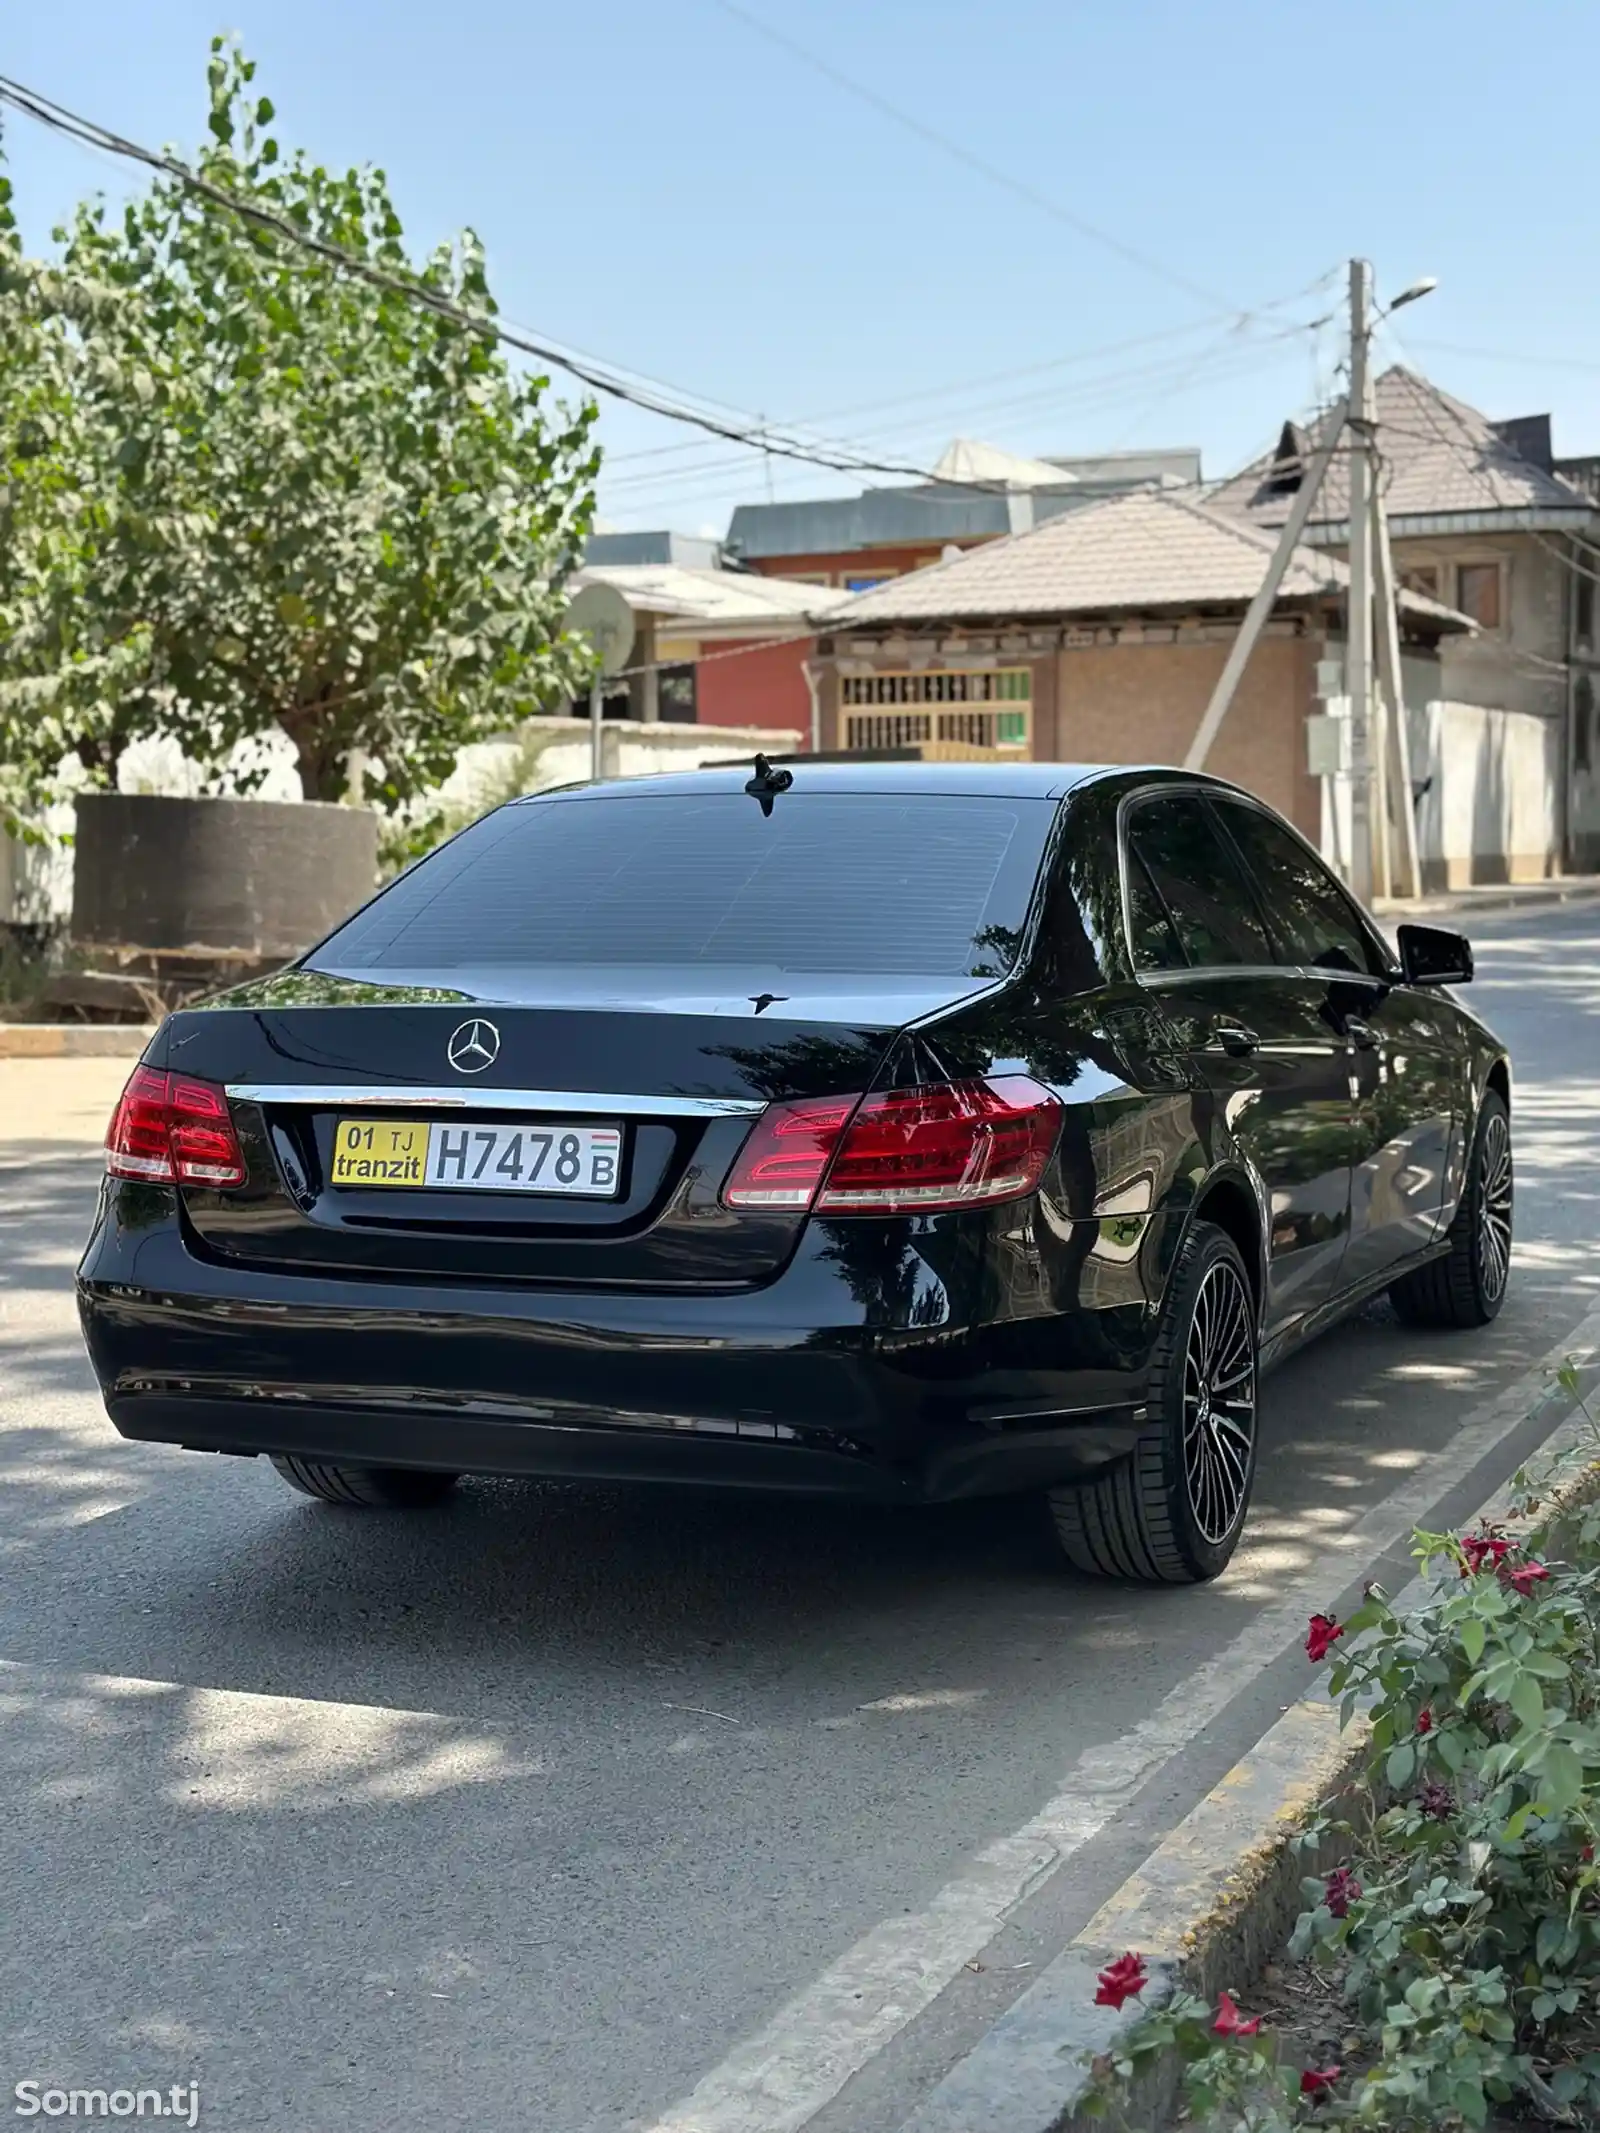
1171, 1514
364, 1488
1466, 1286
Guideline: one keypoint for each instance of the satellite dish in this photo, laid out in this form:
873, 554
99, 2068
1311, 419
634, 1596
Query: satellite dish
599, 612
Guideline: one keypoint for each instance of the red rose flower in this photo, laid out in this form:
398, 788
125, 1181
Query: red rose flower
1481, 1548
1312, 2083
1322, 1634
1425, 1719
1228, 2023
1587, 1855
1121, 1981
1524, 1577
1340, 1891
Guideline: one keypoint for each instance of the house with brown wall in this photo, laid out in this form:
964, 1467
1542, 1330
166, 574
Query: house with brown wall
1099, 637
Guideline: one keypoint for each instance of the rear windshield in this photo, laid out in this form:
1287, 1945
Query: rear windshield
850, 884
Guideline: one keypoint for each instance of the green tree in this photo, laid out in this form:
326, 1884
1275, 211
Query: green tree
63, 674
293, 500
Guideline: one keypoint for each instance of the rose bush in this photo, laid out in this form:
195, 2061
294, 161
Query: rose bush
1464, 1927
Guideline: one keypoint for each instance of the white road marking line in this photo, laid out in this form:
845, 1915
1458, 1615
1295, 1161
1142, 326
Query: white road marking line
783, 2075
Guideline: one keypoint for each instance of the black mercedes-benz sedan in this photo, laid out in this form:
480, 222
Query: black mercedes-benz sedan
912, 1131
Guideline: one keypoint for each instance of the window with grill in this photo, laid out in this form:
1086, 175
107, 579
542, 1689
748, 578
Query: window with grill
982, 707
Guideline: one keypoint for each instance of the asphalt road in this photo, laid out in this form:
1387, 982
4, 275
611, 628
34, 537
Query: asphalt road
583, 1811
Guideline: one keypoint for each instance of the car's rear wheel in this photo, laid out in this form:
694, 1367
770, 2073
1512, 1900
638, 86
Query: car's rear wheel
367, 1488
1172, 1513
1466, 1286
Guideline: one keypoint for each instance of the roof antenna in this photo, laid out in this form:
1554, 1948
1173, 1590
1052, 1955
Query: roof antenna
767, 782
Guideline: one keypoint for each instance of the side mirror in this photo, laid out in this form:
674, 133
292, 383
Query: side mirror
1429, 955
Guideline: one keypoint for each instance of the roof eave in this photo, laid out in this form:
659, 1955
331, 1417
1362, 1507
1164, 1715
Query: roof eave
1424, 525
986, 619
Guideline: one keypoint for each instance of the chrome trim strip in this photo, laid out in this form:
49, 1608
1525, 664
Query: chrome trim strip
562, 1103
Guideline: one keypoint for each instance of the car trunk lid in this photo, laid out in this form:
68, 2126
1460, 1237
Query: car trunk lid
678, 1089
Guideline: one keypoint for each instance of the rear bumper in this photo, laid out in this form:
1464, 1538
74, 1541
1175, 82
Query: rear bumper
760, 1389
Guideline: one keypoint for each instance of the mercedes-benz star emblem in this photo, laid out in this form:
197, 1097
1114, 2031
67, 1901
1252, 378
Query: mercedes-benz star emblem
474, 1046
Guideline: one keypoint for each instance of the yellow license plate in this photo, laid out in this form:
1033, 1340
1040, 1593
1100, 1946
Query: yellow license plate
380, 1151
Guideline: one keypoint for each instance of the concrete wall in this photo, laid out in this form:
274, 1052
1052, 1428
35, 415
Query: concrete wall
631, 751
1489, 785
1492, 812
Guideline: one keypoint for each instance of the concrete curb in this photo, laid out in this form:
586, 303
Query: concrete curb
73, 1040
1212, 1903
1461, 903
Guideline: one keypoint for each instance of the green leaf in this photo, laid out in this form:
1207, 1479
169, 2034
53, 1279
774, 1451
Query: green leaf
1561, 1779
1527, 1701
1547, 1666
1402, 1762
1470, 2101
1473, 1638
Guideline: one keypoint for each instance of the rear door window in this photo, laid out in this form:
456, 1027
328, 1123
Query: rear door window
1311, 917
930, 885
1200, 885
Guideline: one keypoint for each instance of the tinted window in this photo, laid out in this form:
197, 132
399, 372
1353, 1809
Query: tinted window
1310, 914
852, 884
1199, 879
1155, 945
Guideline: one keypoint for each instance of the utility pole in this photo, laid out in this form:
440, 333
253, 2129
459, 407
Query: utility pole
1260, 608
1358, 643
1404, 875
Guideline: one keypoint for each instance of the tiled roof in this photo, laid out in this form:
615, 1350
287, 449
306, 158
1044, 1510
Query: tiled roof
1152, 549
714, 598
1440, 458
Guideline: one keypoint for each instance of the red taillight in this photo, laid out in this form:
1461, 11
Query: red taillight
782, 1162
913, 1151
172, 1130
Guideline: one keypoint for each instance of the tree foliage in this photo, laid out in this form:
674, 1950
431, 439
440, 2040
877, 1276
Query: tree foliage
249, 491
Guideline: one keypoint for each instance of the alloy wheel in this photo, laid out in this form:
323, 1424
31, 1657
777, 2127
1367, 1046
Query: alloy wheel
1219, 1403
1494, 1205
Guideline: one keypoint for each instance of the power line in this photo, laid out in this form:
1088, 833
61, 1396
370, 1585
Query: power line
974, 162
1501, 355
958, 386
1231, 356
598, 377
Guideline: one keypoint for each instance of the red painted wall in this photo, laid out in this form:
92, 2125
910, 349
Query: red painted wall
764, 685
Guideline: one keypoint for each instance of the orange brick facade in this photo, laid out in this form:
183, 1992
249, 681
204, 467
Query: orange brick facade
857, 566
1133, 702
1142, 703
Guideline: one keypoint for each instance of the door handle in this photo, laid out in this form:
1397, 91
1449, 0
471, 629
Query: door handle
1361, 1034
1234, 1039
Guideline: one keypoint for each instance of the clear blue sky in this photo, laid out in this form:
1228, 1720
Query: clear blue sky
668, 189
